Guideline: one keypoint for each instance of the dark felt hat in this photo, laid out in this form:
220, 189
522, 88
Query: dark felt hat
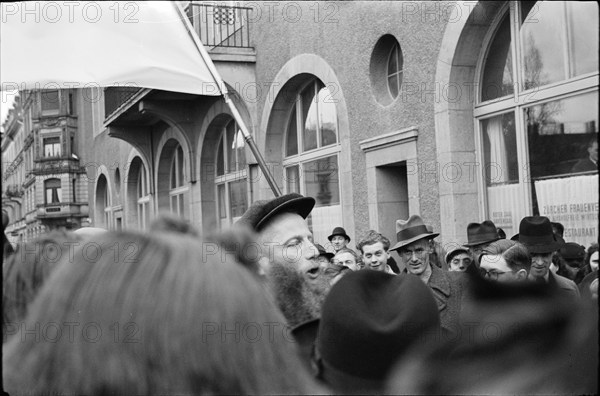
260, 212
368, 320
411, 230
478, 234
338, 231
572, 251
535, 232
323, 252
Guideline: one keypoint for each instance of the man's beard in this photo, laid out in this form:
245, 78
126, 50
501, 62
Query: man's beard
299, 299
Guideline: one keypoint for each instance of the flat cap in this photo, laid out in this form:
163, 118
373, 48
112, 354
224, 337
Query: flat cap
260, 212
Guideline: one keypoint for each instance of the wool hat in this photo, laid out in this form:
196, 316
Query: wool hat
323, 252
411, 230
368, 320
260, 212
338, 231
454, 251
478, 234
535, 232
572, 251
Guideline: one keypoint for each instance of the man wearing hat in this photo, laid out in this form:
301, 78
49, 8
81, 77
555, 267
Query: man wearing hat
458, 259
371, 319
338, 238
535, 232
479, 236
414, 248
571, 261
288, 257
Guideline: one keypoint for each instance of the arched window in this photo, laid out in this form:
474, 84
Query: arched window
537, 113
143, 198
53, 191
311, 155
178, 188
231, 176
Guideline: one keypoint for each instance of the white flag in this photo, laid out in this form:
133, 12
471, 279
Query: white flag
50, 45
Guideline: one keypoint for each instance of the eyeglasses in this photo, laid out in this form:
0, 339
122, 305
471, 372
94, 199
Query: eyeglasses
492, 275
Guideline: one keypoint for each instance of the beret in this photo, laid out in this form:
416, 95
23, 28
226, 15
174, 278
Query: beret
260, 212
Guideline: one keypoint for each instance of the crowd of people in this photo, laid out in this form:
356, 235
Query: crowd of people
262, 308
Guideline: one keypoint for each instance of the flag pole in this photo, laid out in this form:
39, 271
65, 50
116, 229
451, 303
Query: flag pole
234, 111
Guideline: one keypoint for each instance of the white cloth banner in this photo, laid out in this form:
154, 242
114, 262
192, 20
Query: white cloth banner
50, 45
506, 207
573, 202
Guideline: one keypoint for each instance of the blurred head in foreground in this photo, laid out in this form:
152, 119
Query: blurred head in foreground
150, 315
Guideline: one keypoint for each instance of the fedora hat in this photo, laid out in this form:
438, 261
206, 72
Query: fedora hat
260, 212
368, 320
323, 252
478, 234
411, 230
338, 231
572, 251
535, 232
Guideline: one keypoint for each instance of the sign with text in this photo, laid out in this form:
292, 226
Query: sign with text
573, 202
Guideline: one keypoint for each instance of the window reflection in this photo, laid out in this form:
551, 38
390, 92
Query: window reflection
559, 41
559, 133
238, 199
328, 117
583, 20
318, 124
321, 181
497, 75
309, 107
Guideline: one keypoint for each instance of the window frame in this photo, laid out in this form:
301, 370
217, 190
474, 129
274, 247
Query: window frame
517, 102
228, 177
303, 157
53, 190
177, 193
52, 111
143, 198
399, 72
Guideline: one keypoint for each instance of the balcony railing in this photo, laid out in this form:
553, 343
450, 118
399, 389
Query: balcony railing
220, 25
217, 26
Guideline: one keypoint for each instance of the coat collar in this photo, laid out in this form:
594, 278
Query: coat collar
439, 280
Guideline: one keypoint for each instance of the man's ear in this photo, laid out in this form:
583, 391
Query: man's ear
521, 274
263, 265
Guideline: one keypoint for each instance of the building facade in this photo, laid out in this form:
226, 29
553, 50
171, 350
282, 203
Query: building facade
45, 186
458, 112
